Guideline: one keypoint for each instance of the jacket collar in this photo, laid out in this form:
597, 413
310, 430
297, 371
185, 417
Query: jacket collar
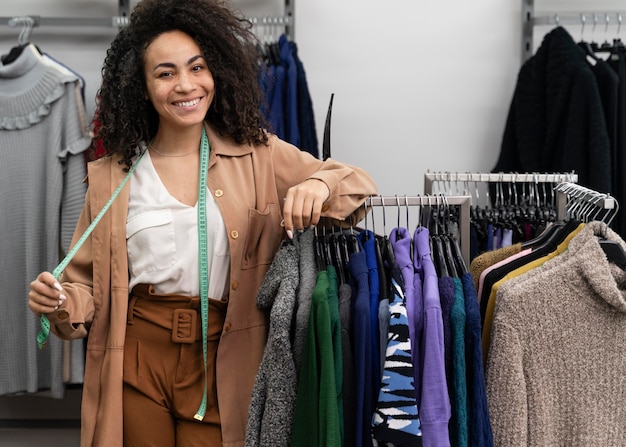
226, 146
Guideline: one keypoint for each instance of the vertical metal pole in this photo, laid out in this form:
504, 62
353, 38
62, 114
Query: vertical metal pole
124, 8
290, 29
528, 12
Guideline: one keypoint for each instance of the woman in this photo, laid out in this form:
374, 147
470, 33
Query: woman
180, 92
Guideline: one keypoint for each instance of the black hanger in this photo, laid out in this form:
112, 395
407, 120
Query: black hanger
436, 249
13, 54
459, 260
386, 263
319, 252
614, 252
588, 49
337, 260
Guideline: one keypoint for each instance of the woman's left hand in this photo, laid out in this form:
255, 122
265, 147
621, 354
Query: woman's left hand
303, 205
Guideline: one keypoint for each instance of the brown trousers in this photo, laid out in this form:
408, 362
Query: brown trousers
164, 373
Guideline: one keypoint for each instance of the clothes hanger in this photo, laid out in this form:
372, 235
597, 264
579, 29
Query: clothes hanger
318, 251
451, 244
612, 249
23, 40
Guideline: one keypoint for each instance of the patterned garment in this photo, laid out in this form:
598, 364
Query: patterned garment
396, 419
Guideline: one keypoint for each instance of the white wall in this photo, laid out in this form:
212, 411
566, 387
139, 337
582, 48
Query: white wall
418, 85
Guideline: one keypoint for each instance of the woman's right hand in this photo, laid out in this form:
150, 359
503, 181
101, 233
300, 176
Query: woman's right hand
45, 295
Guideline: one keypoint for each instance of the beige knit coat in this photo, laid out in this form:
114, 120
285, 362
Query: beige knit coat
556, 372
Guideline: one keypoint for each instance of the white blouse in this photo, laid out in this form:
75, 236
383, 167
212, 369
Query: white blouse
162, 238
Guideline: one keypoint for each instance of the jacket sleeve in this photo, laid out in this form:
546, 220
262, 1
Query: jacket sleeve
71, 320
349, 185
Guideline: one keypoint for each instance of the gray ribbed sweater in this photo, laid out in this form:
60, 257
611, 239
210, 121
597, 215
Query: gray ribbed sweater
556, 372
42, 137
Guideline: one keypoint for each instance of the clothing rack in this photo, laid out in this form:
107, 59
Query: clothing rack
431, 179
121, 19
530, 19
463, 202
586, 204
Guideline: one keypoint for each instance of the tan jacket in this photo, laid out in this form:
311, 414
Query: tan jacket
249, 185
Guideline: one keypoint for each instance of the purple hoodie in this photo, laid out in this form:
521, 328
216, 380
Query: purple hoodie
434, 403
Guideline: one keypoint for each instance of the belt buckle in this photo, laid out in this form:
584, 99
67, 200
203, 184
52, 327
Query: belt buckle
184, 325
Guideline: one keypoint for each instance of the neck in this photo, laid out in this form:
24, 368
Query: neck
176, 141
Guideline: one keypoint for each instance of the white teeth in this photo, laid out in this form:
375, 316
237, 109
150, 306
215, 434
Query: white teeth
188, 103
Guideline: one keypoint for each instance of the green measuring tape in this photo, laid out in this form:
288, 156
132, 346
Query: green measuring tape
204, 262
44, 332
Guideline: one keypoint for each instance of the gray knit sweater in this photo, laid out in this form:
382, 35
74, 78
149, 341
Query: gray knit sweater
556, 372
42, 136
274, 393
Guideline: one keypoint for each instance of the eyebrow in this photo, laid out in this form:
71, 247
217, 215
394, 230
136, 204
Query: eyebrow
172, 65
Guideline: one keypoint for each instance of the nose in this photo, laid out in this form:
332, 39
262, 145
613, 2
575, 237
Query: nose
184, 83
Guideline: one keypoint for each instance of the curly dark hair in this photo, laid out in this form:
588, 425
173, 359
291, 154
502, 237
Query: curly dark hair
127, 120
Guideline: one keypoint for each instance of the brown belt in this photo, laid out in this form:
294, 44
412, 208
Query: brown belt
176, 313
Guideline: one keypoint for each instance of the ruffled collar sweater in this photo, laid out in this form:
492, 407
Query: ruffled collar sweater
43, 135
28, 87
555, 372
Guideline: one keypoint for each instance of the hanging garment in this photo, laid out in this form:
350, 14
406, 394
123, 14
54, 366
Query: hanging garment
555, 373
43, 135
433, 396
273, 399
396, 418
308, 273
556, 121
364, 397
479, 425
316, 418
525, 267
288, 107
368, 241
458, 420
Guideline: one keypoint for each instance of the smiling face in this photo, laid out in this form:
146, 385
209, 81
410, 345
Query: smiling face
179, 83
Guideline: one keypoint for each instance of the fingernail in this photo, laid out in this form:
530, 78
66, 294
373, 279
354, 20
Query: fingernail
62, 297
56, 307
290, 234
58, 286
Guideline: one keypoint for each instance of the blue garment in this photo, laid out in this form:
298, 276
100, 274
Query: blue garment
368, 241
277, 108
479, 424
306, 115
362, 347
396, 417
268, 82
446, 296
292, 127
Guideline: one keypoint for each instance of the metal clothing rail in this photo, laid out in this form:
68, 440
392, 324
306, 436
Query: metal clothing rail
463, 202
38, 21
286, 21
431, 178
493, 177
530, 19
582, 201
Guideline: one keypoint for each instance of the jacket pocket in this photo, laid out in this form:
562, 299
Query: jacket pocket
263, 238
